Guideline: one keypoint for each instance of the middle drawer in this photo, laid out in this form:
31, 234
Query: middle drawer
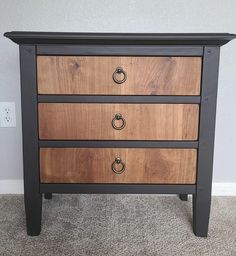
101, 121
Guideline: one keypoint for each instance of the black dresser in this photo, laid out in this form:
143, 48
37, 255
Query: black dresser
118, 113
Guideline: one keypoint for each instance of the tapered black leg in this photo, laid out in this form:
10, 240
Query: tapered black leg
48, 195
32, 195
201, 212
202, 197
183, 197
33, 211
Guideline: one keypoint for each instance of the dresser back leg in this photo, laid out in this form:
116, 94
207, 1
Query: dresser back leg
183, 197
48, 195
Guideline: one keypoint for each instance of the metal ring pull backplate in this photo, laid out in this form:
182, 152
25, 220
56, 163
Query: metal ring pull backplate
118, 117
118, 161
117, 72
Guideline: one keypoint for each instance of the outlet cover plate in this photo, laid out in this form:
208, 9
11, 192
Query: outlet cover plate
7, 114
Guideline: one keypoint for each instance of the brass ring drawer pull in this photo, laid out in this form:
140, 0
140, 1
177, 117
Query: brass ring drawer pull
119, 70
118, 117
118, 161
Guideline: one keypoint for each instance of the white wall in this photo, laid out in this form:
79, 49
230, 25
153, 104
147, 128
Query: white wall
120, 16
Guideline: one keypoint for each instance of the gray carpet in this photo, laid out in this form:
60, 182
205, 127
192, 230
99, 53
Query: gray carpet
116, 225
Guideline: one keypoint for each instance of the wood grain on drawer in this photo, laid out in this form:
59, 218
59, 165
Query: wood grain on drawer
88, 121
94, 165
94, 75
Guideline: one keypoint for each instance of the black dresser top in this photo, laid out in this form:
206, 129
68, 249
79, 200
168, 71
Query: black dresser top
26, 37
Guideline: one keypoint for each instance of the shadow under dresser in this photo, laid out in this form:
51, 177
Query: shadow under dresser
118, 113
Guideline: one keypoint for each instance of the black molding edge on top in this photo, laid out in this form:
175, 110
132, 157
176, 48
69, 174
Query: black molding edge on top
117, 188
27, 37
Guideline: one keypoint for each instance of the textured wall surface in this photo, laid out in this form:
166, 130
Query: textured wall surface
120, 16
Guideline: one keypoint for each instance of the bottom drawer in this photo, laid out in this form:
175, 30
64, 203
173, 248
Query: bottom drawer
118, 165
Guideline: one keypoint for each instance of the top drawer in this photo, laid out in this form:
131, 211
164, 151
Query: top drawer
119, 75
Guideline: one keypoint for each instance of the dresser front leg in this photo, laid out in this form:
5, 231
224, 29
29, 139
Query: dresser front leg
201, 213
32, 195
33, 210
183, 197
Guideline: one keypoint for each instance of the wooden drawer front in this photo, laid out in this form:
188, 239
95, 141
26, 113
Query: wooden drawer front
94, 75
94, 121
89, 165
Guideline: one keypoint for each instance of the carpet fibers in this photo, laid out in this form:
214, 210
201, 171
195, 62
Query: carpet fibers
117, 225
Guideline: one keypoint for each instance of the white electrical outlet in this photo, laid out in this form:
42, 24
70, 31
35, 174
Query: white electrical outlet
7, 114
